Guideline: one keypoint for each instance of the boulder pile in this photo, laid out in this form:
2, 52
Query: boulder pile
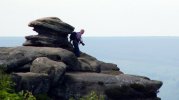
46, 65
52, 32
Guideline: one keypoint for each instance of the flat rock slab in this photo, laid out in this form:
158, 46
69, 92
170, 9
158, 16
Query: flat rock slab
52, 23
48, 41
113, 86
34, 82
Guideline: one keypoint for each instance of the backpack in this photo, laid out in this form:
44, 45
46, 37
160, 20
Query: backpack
73, 36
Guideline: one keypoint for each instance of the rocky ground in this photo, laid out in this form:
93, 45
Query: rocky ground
46, 64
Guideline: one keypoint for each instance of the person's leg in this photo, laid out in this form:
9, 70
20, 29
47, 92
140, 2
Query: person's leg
76, 48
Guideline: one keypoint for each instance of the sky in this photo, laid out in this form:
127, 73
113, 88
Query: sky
97, 17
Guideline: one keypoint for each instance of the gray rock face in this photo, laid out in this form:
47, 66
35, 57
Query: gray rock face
54, 69
52, 23
115, 87
13, 58
47, 41
19, 58
34, 82
66, 76
109, 68
52, 32
50, 67
129, 86
89, 65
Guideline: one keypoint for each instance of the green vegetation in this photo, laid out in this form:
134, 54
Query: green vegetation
43, 97
92, 96
7, 91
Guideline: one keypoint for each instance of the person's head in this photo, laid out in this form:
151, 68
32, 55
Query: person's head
82, 31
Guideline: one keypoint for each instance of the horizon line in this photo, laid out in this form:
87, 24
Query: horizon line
111, 36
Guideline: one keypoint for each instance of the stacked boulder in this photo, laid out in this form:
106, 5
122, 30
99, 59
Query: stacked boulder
52, 32
42, 68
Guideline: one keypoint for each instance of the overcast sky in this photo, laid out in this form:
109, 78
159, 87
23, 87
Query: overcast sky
97, 17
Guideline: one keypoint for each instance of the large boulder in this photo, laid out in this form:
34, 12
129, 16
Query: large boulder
89, 63
114, 87
33, 82
52, 32
52, 23
54, 69
131, 86
109, 68
15, 58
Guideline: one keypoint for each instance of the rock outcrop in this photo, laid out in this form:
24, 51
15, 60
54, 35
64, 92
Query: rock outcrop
115, 87
15, 59
52, 32
34, 82
40, 67
54, 69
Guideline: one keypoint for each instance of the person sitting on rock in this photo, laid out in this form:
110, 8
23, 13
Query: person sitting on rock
76, 38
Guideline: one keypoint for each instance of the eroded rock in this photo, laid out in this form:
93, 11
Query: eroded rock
115, 87
37, 83
52, 32
54, 69
52, 23
50, 67
16, 57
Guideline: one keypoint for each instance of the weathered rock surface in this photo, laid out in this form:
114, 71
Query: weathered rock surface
54, 69
65, 75
41, 67
89, 65
114, 87
19, 58
109, 68
52, 23
13, 58
34, 82
52, 32
47, 41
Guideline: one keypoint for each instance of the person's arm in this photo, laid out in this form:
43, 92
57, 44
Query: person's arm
81, 41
